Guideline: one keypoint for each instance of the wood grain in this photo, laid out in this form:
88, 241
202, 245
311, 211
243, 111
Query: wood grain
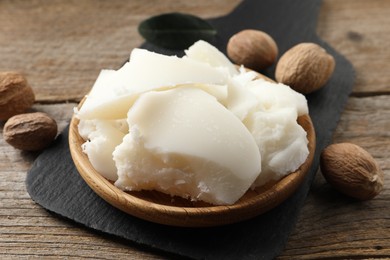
359, 30
62, 45
333, 225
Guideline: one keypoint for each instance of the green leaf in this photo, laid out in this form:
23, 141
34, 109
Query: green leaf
176, 30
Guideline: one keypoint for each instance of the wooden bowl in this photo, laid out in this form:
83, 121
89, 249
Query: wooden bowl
164, 209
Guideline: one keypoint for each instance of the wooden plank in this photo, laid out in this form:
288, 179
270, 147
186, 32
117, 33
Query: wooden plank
333, 225
55, 47
61, 46
62, 54
360, 30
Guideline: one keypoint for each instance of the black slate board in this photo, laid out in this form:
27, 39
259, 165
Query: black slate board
54, 183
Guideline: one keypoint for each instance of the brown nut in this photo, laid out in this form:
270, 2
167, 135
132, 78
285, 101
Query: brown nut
31, 131
252, 48
16, 95
306, 67
351, 170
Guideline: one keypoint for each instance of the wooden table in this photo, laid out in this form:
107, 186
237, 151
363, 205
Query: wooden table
61, 47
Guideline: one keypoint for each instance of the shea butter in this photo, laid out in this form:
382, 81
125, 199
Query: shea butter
196, 126
115, 91
184, 142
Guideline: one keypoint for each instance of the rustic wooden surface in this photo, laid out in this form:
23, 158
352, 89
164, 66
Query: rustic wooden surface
61, 47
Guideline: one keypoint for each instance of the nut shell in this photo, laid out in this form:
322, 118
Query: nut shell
31, 131
16, 95
252, 48
306, 67
352, 170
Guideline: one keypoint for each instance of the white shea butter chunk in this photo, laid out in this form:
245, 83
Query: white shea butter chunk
274, 96
102, 136
282, 142
114, 92
184, 142
204, 52
273, 124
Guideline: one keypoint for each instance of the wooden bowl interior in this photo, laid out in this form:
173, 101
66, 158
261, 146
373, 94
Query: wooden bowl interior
161, 208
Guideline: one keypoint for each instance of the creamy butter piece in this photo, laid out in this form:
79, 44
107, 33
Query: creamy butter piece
273, 96
184, 142
282, 143
273, 124
102, 137
204, 52
114, 92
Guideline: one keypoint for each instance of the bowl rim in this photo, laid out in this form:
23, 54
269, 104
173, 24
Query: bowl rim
188, 216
